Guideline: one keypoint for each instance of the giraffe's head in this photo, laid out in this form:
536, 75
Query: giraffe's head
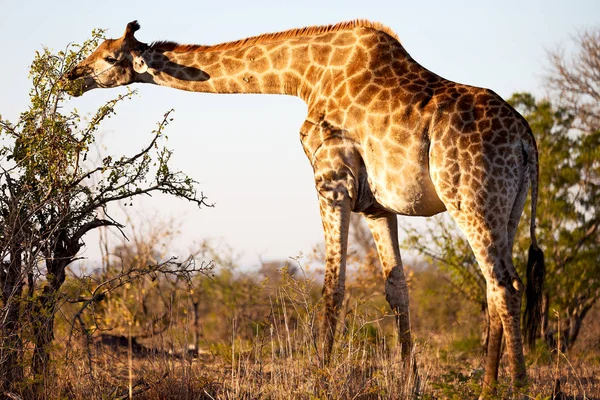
116, 62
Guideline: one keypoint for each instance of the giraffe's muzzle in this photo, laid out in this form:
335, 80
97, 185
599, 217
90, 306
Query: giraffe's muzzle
78, 81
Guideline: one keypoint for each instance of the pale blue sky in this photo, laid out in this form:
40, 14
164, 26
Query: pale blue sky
245, 150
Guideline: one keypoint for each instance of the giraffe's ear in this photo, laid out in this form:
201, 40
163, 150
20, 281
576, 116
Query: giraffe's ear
132, 27
139, 64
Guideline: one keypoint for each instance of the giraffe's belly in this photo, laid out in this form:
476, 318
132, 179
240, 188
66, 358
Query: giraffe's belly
406, 191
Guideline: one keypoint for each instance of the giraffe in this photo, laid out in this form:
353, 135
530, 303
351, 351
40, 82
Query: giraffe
385, 137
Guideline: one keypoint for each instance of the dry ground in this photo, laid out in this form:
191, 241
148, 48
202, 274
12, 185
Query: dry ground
282, 365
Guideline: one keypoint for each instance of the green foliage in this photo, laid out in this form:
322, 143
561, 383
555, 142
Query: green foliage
444, 246
47, 203
455, 385
44, 155
568, 212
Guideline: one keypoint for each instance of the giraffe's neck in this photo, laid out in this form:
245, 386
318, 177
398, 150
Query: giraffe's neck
292, 66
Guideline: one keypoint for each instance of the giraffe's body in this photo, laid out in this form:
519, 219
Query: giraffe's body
384, 135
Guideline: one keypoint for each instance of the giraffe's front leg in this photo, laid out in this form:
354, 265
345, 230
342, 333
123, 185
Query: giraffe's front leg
336, 219
335, 163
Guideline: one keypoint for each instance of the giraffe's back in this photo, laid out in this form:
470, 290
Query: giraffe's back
479, 152
423, 140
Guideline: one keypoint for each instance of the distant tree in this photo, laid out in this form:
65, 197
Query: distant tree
571, 193
47, 206
445, 247
276, 270
572, 284
364, 270
136, 296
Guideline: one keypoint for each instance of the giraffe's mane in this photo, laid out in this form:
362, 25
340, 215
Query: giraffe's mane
270, 37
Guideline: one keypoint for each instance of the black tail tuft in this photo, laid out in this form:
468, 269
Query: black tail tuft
536, 271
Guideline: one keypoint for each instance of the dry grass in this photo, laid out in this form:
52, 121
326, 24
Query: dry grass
355, 373
279, 359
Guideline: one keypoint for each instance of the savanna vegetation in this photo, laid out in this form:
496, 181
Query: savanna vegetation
142, 324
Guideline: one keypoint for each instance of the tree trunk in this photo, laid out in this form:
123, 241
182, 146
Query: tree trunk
569, 328
197, 324
42, 318
43, 333
576, 320
545, 317
11, 344
485, 331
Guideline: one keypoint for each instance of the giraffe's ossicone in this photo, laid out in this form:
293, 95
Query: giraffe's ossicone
385, 136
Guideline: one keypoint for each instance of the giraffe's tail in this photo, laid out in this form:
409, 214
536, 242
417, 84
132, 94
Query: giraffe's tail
536, 269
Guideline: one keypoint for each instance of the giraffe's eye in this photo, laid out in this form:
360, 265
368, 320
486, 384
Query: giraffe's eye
111, 60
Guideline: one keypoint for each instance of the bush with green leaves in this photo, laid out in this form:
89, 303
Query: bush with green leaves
51, 196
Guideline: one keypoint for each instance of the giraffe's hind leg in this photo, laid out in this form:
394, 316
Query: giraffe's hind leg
494, 350
384, 228
517, 210
488, 236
